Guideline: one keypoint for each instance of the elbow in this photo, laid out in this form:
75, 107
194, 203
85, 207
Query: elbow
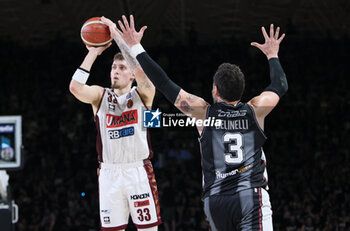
286, 88
283, 89
284, 84
73, 87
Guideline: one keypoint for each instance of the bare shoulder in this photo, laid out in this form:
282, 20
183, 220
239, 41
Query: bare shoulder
264, 103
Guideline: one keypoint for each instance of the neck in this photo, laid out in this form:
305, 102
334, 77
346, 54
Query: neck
122, 91
234, 103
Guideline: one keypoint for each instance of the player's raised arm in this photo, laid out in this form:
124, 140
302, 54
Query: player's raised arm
144, 86
189, 104
268, 99
78, 87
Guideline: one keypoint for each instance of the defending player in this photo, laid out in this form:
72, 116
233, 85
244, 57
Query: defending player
127, 183
235, 188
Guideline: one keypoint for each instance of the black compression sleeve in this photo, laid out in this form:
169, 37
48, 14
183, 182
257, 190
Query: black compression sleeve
158, 77
279, 83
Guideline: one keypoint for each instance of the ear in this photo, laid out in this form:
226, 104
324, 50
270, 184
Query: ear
215, 91
132, 76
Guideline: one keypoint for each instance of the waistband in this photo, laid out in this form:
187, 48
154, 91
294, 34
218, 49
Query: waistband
124, 165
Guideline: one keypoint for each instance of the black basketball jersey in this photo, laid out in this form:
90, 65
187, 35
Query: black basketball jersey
232, 156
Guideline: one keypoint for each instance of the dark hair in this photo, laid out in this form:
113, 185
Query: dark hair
118, 56
229, 79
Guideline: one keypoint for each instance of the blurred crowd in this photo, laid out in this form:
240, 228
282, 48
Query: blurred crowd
307, 148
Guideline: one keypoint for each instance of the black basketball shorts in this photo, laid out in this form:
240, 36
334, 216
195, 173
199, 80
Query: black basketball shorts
248, 210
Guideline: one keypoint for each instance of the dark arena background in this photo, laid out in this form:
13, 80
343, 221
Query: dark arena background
308, 132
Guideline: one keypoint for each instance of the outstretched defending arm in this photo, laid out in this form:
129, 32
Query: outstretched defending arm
264, 103
189, 104
144, 86
279, 83
270, 48
157, 75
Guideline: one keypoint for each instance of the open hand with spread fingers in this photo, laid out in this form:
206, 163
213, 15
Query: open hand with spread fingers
272, 43
127, 31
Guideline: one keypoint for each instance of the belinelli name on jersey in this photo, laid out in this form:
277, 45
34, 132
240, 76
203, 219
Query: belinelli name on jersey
234, 124
140, 196
128, 117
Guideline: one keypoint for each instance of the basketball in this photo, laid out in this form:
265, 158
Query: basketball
95, 33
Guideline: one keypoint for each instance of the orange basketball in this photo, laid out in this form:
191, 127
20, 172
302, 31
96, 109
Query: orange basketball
95, 33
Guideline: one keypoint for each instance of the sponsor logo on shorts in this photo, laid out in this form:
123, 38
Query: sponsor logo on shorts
106, 220
141, 203
140, 196
118, 133
106, 211
126, 118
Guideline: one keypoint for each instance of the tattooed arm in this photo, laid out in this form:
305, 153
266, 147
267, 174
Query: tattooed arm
191, 105
144, 86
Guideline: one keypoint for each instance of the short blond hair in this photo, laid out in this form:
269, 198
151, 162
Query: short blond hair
118, 56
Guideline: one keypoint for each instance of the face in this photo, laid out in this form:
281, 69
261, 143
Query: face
121, 75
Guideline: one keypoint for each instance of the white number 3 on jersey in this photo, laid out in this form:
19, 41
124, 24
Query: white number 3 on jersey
234, 152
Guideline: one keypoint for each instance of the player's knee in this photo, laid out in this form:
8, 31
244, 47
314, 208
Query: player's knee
155, 228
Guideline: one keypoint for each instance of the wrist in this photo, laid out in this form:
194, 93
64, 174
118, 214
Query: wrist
93, 53
271, 56
136, 49
81, 75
